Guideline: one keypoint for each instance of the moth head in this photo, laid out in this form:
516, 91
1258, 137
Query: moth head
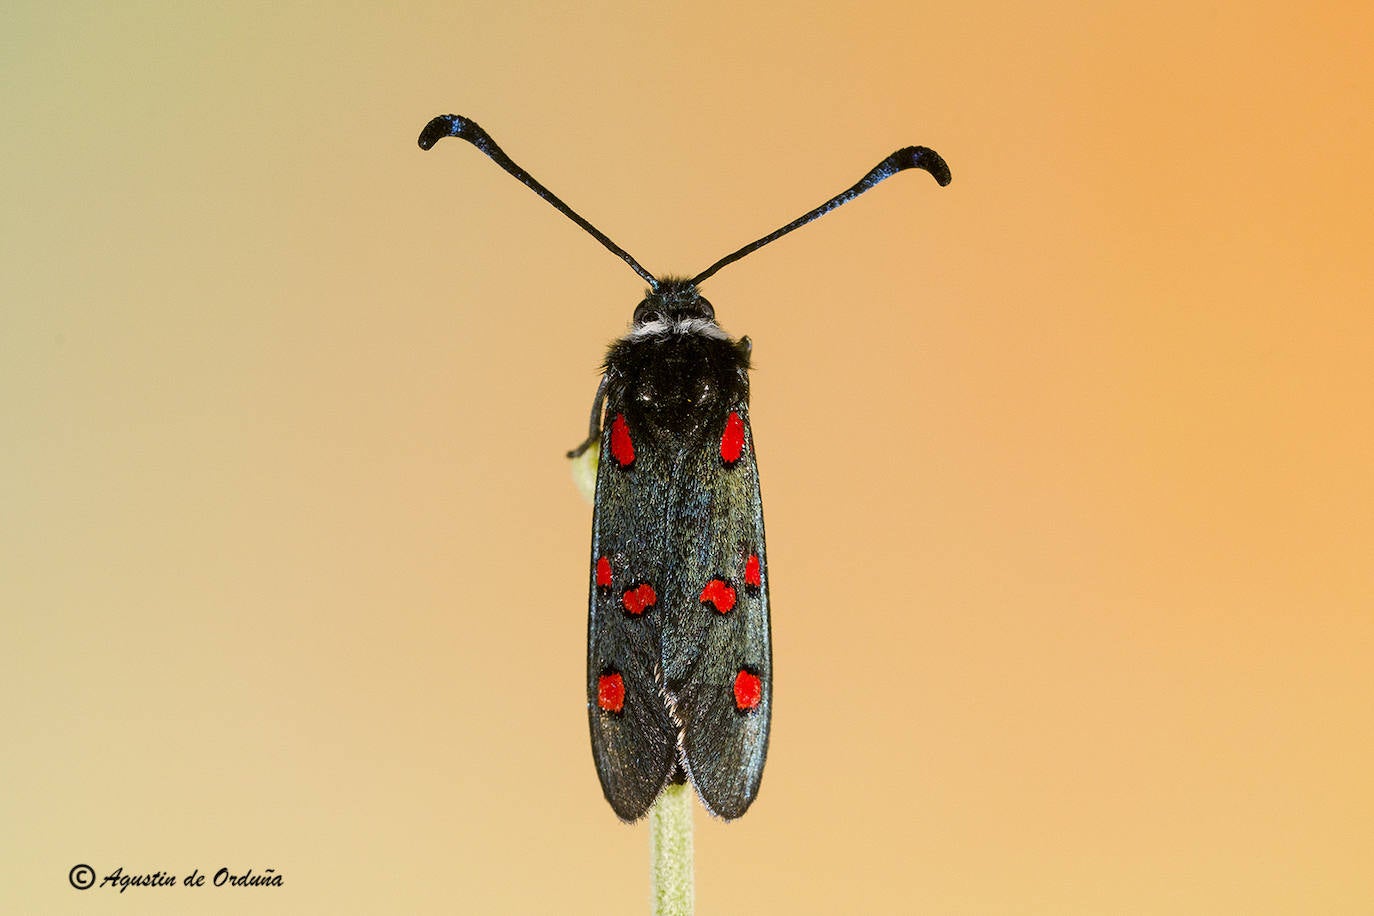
672, 302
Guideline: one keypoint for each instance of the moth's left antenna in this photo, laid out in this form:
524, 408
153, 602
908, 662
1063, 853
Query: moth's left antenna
467, 129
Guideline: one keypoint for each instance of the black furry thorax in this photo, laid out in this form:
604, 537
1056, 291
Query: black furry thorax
677, 368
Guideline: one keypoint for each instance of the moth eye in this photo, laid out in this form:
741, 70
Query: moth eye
648, 318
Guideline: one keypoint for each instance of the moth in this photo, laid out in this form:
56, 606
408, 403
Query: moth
679, 659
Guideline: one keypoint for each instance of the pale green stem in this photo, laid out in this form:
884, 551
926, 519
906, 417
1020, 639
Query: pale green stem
670, 851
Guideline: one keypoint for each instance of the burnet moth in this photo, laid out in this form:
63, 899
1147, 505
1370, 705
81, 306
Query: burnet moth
679, 663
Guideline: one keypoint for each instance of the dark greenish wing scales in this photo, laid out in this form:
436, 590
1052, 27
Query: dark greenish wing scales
717, 515
636, 748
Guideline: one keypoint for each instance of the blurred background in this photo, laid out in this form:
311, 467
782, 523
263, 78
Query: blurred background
1066, 466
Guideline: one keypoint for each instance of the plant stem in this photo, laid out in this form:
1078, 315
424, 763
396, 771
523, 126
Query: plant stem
670, 851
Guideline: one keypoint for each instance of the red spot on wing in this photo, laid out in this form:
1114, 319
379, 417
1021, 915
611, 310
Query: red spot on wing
622, 447
751, 571
603, 573
639, 598
732, 440
719, 593
610, 692
748, 690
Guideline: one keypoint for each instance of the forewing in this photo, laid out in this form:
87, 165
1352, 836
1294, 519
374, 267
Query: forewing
716, 635
635, 746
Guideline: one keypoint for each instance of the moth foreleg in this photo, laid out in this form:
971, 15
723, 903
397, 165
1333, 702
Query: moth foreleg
594, 427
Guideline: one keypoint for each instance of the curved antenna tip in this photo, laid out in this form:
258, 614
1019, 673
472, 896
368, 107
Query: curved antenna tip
452, 125
922, 157
449, 125
910, 157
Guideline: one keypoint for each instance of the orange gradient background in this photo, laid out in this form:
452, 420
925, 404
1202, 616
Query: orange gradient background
1067, 467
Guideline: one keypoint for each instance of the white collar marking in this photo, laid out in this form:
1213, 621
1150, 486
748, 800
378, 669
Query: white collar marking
703, 326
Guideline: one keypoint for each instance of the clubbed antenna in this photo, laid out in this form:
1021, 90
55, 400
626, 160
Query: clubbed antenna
917, 157
467, 129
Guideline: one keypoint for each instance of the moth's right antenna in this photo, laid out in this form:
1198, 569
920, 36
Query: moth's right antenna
467, 129
911, 157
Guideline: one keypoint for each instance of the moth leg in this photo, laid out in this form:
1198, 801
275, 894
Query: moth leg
594, 427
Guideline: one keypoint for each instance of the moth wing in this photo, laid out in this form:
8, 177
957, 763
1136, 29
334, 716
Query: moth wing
635, 747
717, 527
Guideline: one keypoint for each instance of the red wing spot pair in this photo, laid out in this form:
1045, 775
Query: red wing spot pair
731, 441
721, 594
610, 691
